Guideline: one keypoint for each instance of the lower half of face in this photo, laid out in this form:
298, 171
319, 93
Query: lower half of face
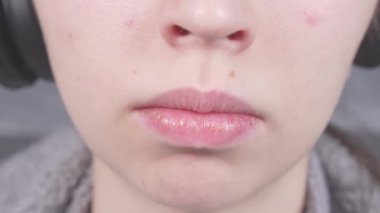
286, 60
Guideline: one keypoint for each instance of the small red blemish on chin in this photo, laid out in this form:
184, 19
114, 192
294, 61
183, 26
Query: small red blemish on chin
311, 20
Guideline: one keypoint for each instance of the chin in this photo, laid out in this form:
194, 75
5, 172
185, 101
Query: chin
193, 183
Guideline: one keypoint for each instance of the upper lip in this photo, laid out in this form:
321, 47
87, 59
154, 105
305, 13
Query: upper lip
202, 102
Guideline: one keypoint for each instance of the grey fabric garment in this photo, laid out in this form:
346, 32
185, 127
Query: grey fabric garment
54, 176
352, 188
317, 195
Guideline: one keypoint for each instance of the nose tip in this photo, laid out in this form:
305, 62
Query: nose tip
220, 23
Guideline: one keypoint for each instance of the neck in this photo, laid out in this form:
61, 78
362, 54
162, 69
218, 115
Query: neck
285, 195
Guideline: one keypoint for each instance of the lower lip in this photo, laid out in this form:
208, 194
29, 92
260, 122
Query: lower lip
198, 130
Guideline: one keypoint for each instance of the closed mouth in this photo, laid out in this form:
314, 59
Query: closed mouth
190, 119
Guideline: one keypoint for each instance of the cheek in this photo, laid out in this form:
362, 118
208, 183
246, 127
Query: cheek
302, 62
311, 49
82, 50
323, 30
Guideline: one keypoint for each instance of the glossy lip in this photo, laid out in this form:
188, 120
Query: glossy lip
192, 119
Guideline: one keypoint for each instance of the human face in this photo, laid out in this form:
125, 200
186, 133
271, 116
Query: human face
289, 60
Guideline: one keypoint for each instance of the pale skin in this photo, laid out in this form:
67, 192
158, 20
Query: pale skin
292, 63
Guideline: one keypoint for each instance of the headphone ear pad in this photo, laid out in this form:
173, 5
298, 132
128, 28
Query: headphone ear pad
368, 54
12, 73
23, 56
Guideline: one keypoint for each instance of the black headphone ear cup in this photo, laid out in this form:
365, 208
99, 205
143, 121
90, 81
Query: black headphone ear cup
368, 54
23, 56
12, 73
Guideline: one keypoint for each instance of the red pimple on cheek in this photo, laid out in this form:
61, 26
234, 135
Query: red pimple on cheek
131, 22
68, 38
311, 19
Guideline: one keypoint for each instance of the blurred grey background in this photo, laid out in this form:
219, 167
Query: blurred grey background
29, 114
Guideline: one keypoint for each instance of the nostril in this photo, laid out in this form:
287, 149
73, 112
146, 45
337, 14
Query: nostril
179, 31
178, 36
238, 35
223, 25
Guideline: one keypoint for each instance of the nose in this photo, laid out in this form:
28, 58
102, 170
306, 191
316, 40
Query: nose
210, 23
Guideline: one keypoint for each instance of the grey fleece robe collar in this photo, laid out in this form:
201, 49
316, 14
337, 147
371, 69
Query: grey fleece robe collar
317, 196
55, 177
